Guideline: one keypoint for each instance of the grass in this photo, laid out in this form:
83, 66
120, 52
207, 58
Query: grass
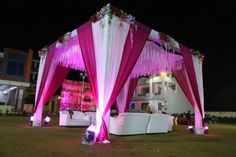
17, 139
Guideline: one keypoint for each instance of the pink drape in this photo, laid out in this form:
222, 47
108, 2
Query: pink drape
52, 77
69, 55
58, 77
46, 68
85, 36
132, 86
183, 81
131, 53
125, 95
188, 62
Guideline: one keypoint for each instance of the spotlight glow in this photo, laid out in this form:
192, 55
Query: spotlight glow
163, 74
47, 119
206, 129
190, 129
32, 118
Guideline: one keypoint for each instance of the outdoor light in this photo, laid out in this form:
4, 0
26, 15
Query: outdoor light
163, 74
31, 119
89, 135
190, 129
46, 120
206, 129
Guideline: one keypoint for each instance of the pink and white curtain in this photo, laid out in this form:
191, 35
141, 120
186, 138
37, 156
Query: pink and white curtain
68, 54
110, 53
125, 96
154, 59
48, 82
191, 81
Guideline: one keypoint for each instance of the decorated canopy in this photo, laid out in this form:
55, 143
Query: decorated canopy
114, 49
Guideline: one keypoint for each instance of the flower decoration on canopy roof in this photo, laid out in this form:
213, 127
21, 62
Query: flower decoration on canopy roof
112, 10
63, 39
198, 54
43, 51
167, 41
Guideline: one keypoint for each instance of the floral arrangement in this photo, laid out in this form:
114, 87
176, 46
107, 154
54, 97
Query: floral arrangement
164, 37
63, 39
197, 53
43, 51
167, 41
111, 10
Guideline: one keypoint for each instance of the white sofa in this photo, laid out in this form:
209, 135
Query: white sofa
158, 123
171, 123
78, 118
129, 123
140, 123
92, 116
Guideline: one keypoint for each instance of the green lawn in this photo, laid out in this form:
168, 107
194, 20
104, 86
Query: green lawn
17, 139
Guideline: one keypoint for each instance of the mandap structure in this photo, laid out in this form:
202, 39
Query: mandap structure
113, 48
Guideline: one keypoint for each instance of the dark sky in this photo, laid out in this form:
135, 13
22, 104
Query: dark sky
207, 26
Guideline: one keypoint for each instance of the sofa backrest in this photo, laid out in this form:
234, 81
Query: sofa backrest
158, 123
133, 123
75, 115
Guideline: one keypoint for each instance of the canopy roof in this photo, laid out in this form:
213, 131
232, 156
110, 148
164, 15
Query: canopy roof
112, 48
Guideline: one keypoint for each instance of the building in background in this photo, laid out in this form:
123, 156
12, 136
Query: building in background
34, 72
161, 94
15, 67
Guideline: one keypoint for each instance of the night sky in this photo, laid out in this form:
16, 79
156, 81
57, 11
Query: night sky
207, 26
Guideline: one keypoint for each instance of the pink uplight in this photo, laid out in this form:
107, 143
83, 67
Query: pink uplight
190, 127
32, 118
47, 119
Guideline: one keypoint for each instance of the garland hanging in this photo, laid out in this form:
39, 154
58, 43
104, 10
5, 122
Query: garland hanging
112, 10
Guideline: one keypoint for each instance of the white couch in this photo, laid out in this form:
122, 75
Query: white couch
171, 123
92, 116
129, 123
78, 119
140, 123
158, 123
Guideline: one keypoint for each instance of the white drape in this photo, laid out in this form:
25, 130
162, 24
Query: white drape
109, 40
38, 113
198, 117
40, 72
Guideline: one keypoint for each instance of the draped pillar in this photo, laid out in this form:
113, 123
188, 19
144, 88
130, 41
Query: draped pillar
190, 80
42, 77
52, 77
113, 48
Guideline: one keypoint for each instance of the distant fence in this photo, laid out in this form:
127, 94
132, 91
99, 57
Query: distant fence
221, 114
